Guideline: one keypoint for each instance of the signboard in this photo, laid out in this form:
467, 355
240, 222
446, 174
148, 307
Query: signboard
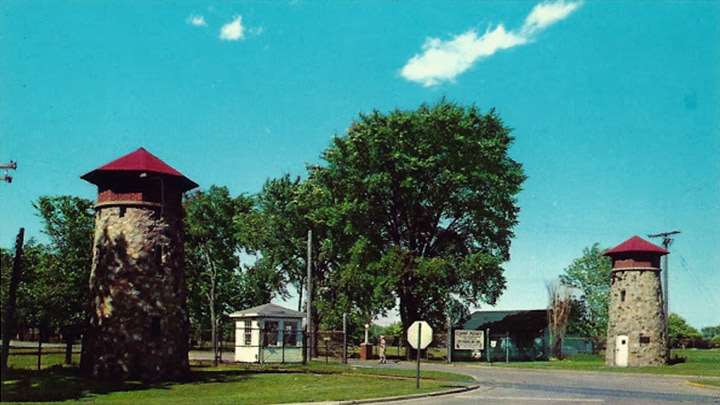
425, 334
469, 339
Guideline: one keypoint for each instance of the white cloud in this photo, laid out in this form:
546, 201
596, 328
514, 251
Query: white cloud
442, 61
197, 20
546, 14
233, 31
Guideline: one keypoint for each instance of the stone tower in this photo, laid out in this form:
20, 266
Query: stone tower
636, 321
138, 319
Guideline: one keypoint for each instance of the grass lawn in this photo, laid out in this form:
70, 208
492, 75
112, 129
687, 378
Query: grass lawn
226, 384
699, 362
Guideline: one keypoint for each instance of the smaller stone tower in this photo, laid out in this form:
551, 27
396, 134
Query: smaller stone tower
636, 321
138, 318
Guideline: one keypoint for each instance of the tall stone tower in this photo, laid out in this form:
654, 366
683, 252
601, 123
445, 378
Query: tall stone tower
138, 319
636, 321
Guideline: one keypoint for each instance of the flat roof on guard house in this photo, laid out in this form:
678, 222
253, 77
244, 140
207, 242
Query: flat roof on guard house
140, 161
267, 311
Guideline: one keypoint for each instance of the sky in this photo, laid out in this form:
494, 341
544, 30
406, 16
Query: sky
614, 106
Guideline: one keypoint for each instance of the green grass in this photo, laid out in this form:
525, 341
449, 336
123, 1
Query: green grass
226, 384
699, 362
28, 361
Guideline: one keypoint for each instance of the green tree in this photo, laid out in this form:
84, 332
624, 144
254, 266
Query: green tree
590, 275
710, 332
63, 279
217, 282
422, 204
680, 332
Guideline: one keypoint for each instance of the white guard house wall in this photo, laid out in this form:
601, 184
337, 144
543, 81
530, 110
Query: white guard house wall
268, 334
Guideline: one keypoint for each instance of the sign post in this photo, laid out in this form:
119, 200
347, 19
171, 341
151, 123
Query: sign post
419, 336
417, 352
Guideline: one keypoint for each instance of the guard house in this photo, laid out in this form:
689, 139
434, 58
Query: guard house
268, 333
636, 319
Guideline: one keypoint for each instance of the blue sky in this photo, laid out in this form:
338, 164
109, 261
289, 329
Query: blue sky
615, 107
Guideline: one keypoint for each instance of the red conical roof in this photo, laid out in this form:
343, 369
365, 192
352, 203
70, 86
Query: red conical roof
138, 161
636, 244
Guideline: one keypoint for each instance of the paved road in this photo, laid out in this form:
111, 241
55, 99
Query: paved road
500, 385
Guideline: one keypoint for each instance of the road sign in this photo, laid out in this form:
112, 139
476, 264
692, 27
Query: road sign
469, 339
425, 334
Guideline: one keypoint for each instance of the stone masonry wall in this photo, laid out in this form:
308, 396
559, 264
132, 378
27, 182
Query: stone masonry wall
138, 324
640, 314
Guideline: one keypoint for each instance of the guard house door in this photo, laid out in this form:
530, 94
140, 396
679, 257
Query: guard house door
621, 351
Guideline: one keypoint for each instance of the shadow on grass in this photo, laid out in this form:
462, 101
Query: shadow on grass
59, 383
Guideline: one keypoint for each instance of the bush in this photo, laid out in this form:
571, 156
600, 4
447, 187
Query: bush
676, 360
715, 341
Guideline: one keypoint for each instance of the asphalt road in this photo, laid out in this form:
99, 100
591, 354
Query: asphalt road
500, 385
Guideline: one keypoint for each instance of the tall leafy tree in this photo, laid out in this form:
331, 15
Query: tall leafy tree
425, 202
590, 275
63, 279
217, 282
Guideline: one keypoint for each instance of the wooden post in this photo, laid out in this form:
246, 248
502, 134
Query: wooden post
345, 338
39, 352
10, 321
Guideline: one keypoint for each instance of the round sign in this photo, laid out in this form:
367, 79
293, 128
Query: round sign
425, 331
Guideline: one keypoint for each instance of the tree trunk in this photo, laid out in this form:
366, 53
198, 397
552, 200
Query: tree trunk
69, 340
213, 331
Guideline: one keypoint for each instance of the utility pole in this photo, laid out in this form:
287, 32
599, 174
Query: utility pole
666, 242
309, 297
8, 166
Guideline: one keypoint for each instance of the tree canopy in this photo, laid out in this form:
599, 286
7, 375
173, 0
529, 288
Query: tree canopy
218, 283
590, 275
424, 202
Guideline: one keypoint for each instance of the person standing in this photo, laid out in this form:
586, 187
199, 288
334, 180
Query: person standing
381, 350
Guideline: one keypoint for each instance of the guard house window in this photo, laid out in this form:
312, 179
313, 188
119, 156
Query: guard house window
270, 337
644, 339
247, 331
290, 333
622, 295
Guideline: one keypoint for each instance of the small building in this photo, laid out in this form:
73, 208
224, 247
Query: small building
519, 335
269, 333
636, 318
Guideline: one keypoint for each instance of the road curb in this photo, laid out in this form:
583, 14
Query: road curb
410, 396
568, 371
701, 385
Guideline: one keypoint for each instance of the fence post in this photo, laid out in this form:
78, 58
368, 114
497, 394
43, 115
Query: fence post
449, 339
507, 347
488, 347
345, 338
39, 352
304, 346
399, 339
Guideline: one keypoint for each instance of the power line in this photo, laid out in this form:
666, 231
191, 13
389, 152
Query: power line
699, 285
